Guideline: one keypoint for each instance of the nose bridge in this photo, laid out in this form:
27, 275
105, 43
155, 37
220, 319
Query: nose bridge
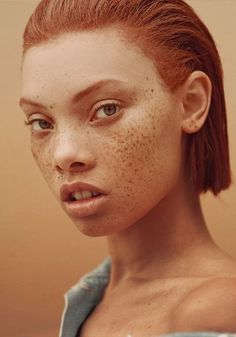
72, 149
66, 139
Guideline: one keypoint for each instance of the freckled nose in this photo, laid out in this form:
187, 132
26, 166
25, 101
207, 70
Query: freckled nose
71, 156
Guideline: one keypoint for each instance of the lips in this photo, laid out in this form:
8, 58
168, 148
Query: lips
67, 189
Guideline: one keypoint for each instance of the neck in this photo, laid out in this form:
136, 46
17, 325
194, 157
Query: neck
167, 242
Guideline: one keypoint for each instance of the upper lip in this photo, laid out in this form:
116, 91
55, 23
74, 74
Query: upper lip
67, 189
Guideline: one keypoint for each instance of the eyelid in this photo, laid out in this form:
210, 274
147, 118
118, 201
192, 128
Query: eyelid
36, 117
38, 114
41, 130
100, 104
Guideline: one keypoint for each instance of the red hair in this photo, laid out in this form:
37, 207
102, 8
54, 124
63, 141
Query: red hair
169, 32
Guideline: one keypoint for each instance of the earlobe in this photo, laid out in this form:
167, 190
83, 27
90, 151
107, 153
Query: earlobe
196, 99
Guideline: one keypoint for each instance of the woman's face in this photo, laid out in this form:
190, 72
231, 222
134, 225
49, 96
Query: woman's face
130, 148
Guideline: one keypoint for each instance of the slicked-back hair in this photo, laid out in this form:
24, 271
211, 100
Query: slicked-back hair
178, 42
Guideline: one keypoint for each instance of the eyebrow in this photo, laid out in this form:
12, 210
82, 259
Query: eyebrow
78, 96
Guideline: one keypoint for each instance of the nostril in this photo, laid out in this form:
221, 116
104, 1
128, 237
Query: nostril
58, 168
76, 165
73, 167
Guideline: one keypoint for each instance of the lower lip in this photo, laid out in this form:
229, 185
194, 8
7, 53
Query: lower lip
85, 207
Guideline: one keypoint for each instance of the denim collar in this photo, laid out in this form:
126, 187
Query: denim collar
83, 297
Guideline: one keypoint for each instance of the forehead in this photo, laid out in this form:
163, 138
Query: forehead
81, 58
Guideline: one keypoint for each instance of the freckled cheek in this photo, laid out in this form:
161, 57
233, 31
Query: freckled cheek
42, 156
144, 155
132, 152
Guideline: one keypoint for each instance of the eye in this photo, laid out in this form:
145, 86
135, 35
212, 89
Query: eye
106, 109
38, 124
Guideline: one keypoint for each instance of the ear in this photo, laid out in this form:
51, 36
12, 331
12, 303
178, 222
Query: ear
196, 100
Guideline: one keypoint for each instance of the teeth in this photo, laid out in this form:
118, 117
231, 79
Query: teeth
84, 195
77, 195
87, 194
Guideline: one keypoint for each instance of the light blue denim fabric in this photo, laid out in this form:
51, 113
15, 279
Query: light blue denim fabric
86, 294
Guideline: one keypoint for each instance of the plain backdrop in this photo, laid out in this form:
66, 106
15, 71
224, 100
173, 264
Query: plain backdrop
42, 253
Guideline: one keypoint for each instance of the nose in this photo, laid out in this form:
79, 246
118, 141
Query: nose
72, 154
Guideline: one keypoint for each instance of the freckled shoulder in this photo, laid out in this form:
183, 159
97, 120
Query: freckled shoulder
209, 307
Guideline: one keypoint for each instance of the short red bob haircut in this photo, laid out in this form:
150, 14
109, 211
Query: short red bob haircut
178, 42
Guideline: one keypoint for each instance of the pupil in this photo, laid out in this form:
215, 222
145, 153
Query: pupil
110, 109
44, 124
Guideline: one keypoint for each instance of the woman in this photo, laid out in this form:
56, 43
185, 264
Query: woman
126, 107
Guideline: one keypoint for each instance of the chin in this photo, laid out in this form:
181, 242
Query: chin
92, 227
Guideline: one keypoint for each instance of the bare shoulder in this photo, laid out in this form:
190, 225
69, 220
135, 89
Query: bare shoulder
208, 307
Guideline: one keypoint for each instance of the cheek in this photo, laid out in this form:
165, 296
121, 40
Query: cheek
145, 155
42, 155
140, 164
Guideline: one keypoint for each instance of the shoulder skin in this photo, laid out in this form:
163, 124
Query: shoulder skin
209, 307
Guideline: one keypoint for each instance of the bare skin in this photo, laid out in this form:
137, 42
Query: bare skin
173, 295
163, 258
156, 309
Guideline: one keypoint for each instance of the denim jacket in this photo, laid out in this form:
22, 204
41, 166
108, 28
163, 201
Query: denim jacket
86, 294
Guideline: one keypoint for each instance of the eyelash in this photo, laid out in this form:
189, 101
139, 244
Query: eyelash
29, 123
107, 105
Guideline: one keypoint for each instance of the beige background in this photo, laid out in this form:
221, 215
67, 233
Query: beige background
42, 253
